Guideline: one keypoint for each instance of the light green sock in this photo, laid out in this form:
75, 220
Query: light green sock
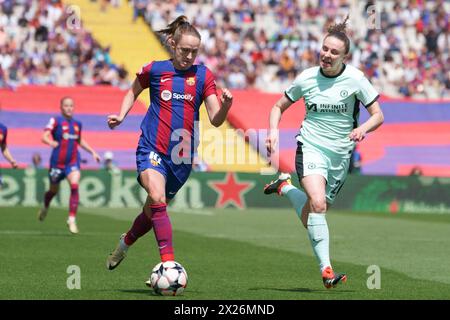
296, 196
319, 237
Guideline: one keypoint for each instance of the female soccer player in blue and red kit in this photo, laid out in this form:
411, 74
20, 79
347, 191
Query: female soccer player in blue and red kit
63, 134
5, 150
167, 143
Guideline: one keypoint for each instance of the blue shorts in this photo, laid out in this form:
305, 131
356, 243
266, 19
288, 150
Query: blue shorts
176, 175
56, 175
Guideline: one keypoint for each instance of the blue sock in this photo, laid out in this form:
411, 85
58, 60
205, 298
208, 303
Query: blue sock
296, 196
320, 239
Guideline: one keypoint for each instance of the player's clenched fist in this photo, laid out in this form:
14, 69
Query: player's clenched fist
114, 121
226, 98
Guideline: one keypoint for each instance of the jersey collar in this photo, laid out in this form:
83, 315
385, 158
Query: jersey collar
323, 74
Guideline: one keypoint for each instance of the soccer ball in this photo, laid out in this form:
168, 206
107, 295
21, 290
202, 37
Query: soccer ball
168, 279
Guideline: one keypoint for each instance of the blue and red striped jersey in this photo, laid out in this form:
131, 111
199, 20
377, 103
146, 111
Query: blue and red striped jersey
175, 100
3, 135
67, 132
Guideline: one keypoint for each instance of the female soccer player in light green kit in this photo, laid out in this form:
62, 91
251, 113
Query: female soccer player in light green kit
332, 92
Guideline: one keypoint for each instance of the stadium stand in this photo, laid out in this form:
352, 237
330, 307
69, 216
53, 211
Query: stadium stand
403, 46
252, 46
44, 43
133, 45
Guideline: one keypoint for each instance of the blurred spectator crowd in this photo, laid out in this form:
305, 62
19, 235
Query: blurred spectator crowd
42, 43
402, 45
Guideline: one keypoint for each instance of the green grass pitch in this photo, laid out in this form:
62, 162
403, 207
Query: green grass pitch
228, 254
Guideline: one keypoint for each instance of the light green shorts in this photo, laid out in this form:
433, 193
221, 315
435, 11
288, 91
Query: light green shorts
309, 160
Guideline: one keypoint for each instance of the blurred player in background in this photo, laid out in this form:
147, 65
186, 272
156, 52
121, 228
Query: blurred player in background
5, 150
109, 164
63, 134
332, 92
167, 144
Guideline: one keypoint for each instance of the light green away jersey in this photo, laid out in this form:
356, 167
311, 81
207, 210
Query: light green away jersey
332, 106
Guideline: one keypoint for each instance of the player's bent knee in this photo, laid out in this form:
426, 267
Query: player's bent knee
157, 198
318, 205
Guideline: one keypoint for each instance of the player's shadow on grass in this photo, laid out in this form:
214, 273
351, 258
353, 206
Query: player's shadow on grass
148, 292
304, 290
307, 290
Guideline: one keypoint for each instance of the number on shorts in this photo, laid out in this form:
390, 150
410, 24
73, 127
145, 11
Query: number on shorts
336, 188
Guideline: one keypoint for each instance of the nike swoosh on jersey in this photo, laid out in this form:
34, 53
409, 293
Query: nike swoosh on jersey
165, 79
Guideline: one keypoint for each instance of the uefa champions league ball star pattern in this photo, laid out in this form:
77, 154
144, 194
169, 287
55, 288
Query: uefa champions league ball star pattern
168, 279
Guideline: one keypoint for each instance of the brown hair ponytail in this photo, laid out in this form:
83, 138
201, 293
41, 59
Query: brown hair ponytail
338, 31
177, 28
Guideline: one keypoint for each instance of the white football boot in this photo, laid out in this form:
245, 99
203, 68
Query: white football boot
42, 213
72, 226
116, 257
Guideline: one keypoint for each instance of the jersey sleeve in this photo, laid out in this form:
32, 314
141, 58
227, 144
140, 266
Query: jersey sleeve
366, 93
294, 92
209, 87
51, 125
143, 75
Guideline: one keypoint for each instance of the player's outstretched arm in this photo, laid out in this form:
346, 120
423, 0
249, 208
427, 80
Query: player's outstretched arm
88, 148
274, 119
217, 112
375, 120
127, 103
8, 156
